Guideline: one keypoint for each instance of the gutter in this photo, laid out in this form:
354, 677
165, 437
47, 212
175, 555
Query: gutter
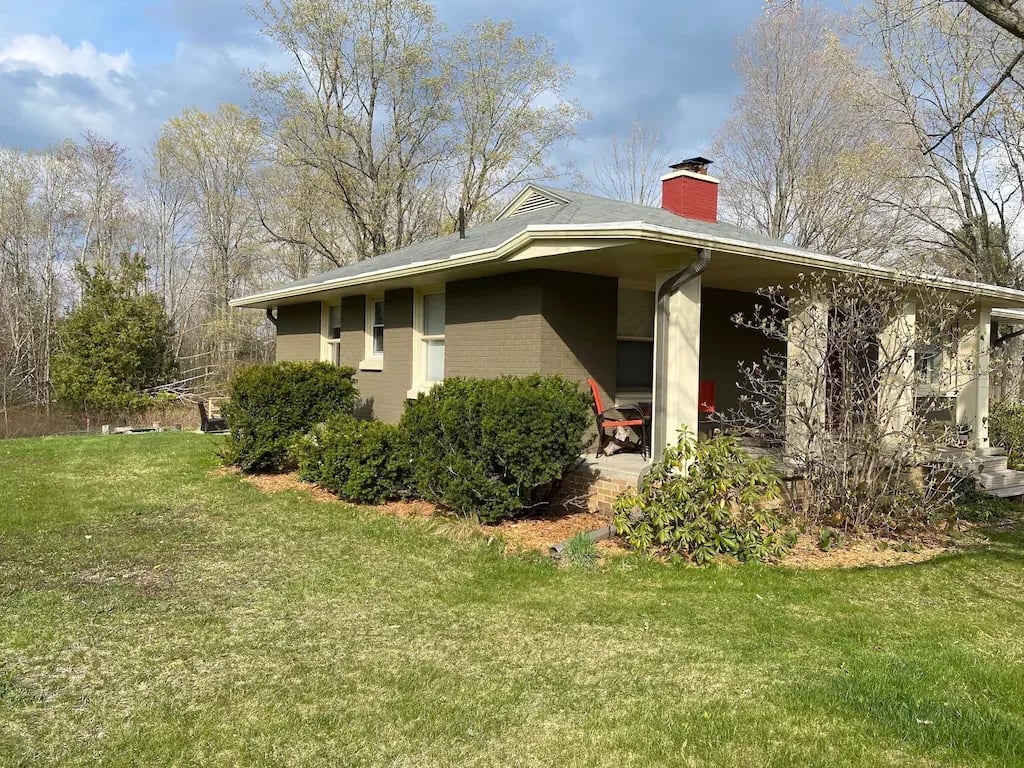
636, 230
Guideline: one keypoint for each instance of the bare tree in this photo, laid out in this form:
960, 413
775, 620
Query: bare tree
510, 111
103, 180
1008, 14
803, 147
631, 168
388, 125
168, 224
937, 63
215, 155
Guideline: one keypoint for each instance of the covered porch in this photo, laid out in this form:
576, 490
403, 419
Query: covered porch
679, 350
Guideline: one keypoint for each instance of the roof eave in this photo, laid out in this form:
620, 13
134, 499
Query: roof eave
638, 230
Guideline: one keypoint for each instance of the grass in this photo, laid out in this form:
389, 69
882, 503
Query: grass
155, 613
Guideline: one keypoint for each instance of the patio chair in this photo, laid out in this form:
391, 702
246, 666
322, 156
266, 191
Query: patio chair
208, 423
631, 416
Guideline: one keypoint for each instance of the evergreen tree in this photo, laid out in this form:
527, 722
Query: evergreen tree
115, 344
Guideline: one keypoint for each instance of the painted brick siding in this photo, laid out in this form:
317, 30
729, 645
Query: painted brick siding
724, 345
298, 332
579, 342
585, 488
538, 321
493, 326
383, 392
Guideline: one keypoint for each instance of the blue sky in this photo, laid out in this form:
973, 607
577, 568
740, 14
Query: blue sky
122, 67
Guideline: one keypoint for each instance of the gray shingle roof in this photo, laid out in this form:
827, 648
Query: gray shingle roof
580, 209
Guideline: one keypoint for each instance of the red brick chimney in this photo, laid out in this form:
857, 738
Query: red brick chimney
689, 191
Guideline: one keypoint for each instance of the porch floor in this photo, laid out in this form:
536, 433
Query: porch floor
625, 465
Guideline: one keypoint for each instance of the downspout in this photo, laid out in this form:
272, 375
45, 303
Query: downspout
670, 286
271, 316
667, 288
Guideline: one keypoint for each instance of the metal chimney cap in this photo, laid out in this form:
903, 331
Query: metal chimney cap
692, 163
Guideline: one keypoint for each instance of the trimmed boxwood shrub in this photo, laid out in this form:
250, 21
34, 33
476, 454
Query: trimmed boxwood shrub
360, 461
490, 448
272, 404
702, 500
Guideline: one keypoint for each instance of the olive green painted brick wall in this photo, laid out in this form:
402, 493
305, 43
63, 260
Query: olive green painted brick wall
541, 321
723, 344
580, 332
298, 332
383, 392
538, 321
493, 326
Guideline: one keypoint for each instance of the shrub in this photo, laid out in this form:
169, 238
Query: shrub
704, 499
361, 461
491, 447
271, 405
1006, 430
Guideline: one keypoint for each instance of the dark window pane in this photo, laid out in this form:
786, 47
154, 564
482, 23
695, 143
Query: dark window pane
635, 365
378, 340
334, 324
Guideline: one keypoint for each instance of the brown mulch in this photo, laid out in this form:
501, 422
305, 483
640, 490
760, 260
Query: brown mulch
538, 533
866, 551
544, 531
541, 532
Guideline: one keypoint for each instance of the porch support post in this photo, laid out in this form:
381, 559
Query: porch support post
897, 390
676, 363
973, 379
806, 374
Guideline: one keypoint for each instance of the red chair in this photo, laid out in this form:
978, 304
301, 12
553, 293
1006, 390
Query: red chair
706, 397
612, 418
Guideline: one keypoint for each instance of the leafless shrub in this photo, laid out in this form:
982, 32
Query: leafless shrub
864, 401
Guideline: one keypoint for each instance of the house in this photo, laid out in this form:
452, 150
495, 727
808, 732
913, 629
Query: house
638, 298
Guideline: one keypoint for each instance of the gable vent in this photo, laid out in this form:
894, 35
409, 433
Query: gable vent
535, 202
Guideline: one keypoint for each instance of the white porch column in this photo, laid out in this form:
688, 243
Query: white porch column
806, 374
972, 379
896, 388
676, 363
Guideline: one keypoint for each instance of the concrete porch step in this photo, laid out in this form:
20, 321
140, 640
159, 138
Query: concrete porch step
993, 463
1007, 493
1000, 479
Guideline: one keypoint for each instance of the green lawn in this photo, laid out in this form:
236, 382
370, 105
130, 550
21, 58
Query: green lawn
153, 613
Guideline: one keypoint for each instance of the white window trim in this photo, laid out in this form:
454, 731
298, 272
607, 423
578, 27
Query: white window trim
329, 348
371, 361
420, 385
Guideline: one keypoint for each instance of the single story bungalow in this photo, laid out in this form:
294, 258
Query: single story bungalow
636, 298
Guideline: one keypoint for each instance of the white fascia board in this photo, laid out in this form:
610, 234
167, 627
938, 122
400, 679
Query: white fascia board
638, 230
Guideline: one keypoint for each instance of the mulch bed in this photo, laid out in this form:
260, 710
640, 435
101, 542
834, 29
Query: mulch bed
864, 552
539, 532
542, 531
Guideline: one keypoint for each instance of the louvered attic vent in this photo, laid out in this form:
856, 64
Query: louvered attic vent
535, 202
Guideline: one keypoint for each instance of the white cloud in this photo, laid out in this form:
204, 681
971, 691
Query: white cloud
56, 90
52, 56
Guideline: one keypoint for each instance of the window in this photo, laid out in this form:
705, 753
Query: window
928, 362
377, 328
635, 366
333, 335
428, 341
374, 354
433, 337
635, 347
